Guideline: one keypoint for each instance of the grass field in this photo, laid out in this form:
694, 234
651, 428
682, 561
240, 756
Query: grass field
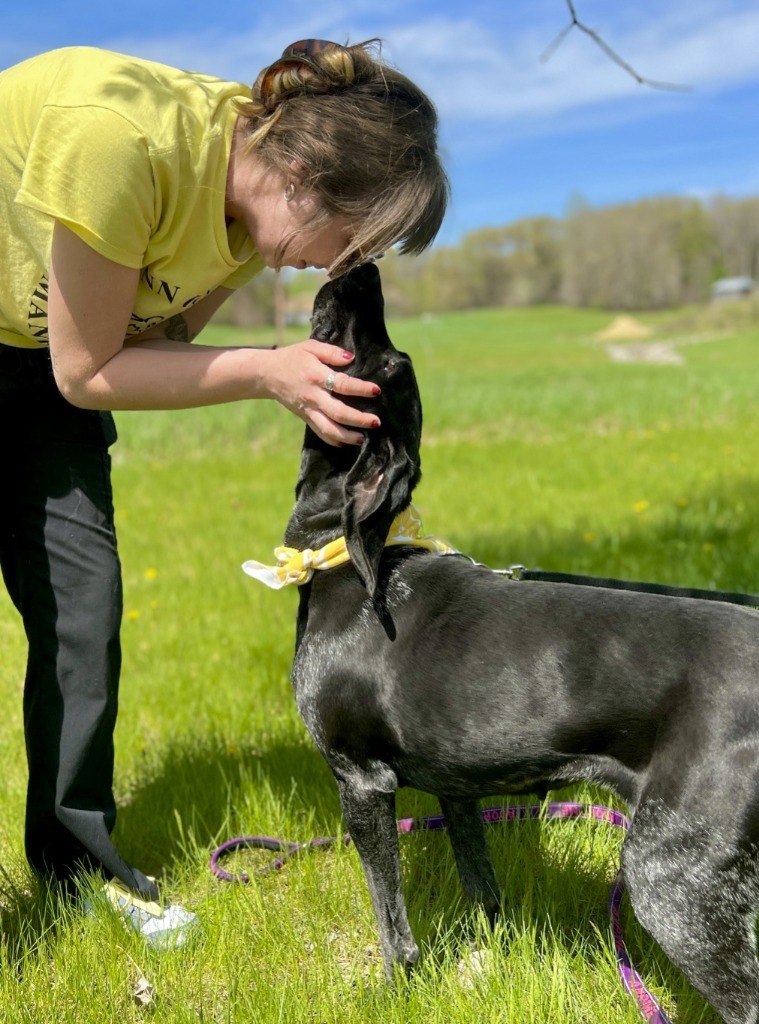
537, 449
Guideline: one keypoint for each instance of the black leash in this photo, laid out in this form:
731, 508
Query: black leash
520, 572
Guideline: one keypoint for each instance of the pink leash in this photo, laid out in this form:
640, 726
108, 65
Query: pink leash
647, 1005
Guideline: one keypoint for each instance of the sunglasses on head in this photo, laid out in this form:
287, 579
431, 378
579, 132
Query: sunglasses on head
296, 54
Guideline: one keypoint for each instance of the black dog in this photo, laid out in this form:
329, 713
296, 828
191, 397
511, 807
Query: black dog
416, 669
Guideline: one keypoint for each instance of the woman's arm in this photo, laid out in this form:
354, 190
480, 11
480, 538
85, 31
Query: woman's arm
90, 303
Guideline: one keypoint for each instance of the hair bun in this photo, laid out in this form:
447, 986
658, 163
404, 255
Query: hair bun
281, 83
315, 71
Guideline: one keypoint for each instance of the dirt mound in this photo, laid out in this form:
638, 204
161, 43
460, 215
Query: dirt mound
624, 328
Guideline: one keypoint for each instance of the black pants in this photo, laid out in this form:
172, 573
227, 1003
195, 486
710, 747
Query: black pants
61, 567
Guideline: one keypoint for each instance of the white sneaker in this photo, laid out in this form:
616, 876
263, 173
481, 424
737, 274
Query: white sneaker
163, 928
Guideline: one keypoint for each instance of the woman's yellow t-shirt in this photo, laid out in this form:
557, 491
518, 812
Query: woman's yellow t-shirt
130, 155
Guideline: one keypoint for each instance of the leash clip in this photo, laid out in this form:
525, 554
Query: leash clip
514, 572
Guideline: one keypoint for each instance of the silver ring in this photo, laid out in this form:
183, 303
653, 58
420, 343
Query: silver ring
329, 383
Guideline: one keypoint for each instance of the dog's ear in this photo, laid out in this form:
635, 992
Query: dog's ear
377, 488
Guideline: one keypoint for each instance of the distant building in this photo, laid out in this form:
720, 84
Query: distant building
732, 288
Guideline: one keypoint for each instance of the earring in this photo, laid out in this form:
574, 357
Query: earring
289, 192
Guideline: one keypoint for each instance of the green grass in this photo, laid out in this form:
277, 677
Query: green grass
537, 449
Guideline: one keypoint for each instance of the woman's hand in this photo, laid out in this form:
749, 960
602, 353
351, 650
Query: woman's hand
299, 378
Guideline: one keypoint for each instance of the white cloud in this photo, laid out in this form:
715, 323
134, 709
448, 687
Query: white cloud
485, 79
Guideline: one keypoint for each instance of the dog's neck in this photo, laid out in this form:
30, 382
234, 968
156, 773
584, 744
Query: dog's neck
317, 518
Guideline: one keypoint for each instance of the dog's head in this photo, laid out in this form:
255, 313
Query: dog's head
373, 483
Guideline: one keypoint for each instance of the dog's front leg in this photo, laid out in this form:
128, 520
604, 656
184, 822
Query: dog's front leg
466, 831
368, 802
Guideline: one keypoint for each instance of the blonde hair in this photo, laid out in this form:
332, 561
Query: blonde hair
366, 138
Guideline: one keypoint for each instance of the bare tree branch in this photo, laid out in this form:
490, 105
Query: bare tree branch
611, 54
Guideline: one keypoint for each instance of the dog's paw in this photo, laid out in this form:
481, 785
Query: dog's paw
401, 963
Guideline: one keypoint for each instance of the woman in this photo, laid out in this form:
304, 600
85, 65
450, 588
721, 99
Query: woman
134, 199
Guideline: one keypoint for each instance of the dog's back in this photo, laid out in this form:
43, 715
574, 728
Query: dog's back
519, 683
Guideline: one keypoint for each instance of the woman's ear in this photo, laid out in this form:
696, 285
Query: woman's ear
298, 171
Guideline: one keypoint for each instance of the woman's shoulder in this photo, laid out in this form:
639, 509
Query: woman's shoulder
144, 92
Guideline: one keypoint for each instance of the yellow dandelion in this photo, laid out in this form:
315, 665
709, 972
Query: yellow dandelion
641, 506
150, 574
133, 614
589, 537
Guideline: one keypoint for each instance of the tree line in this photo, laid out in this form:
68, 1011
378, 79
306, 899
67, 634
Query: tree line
650, 254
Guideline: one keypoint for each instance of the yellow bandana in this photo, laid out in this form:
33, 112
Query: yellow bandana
298, 567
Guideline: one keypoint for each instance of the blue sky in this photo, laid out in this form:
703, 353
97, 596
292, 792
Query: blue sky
520, 136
